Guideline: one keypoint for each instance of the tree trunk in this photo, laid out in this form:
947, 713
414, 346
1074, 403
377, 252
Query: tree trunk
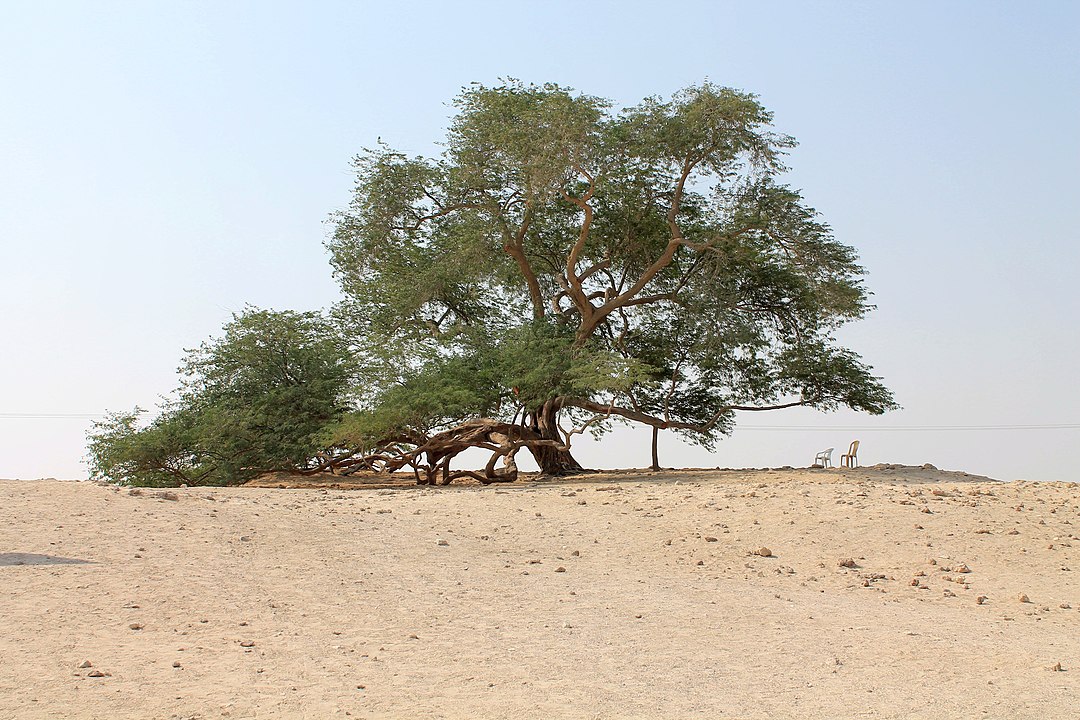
552, 460
655, 456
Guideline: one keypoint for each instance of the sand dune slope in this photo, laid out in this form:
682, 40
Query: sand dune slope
880, 593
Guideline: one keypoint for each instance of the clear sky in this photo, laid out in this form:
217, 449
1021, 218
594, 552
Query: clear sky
164, 163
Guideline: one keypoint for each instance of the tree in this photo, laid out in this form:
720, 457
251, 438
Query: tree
565, 264
257, 399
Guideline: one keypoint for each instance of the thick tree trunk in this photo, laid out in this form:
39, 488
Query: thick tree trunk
552, 460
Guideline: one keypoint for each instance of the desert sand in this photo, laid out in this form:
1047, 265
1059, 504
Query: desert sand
884, 592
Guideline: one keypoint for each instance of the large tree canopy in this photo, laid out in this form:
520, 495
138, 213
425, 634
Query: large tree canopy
567, 265
560, 267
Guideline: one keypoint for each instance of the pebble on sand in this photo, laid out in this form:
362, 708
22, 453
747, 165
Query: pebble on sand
1022, 597
85, 664
763, 552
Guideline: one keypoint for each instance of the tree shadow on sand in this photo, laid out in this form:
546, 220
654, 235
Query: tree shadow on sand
17, 558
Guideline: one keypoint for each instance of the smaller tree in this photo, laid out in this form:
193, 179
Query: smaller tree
257, 399
158, 455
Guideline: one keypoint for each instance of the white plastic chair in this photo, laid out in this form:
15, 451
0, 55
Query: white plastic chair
851, 458
823, 459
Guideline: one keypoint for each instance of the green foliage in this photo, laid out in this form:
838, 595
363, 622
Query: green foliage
254, 400
648, 260
559, 257
158, 455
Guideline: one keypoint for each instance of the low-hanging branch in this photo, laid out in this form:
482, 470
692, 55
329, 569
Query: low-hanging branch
668, 424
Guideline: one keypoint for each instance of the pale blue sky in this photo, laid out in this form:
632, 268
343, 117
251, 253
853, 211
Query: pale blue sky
162, 164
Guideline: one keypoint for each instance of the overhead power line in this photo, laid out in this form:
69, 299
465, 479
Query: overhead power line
35, 416
905, 428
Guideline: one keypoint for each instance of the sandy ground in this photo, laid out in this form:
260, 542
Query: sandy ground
615, 596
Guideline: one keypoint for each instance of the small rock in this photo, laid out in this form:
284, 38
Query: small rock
86, 664
1056, 667
1064, 606
136, 626
962, 568
1022, 597
414, 636
443, 543
95, 673
949, 593
247, 643
980, 600
710, 538
700, 562
846, 562
763, 551
560, 569
176, 663
576, 553
914, 582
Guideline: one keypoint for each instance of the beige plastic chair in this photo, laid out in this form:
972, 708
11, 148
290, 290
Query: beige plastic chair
850, 458
823, 459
